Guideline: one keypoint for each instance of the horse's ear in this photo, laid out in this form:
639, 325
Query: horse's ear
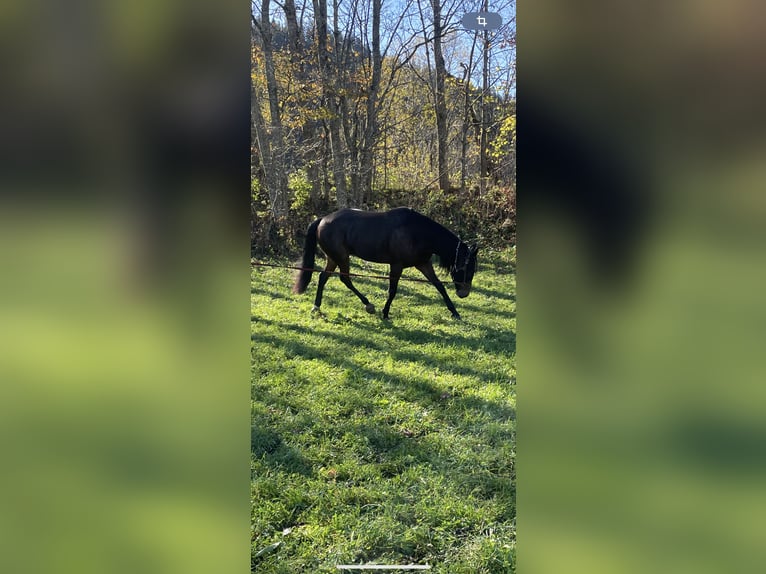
475, 249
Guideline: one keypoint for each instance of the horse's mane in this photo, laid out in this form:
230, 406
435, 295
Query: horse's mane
445, 244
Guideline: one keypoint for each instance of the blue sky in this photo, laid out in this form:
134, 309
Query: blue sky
405, 16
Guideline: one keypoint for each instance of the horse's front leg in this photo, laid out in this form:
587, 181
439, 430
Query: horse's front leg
393, 282
428, 270
344, 277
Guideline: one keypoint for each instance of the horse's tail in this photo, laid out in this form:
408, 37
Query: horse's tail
303, 277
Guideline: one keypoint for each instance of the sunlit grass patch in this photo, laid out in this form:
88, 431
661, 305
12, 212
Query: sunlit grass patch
383, 442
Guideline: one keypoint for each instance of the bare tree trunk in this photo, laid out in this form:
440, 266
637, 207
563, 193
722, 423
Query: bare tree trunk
350, 122
293, 31
466, 115
371, 128
385, 158
325, 154
330, 97
310, 150
263, 141
275, 135
441, 104
484, 164
339, 168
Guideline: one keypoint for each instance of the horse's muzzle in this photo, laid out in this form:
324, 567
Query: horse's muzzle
462, 290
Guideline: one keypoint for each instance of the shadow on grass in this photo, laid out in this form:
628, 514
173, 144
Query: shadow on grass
494, 294
490, 341
412, 388
463, 443
409, 278
391, 446
269, 446
470, 460
395, 452
406, 294
287, 295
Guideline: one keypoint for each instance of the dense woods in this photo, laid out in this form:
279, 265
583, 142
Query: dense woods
381, 103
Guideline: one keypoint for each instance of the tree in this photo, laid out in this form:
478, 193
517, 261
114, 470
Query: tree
364, 103
270, 136
371, 128
440, 101
331, 101
467, 115
484, 163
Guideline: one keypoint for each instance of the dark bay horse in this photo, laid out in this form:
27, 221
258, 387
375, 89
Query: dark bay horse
401, 237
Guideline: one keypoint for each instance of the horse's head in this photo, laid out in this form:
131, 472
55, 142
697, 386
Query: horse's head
463, 269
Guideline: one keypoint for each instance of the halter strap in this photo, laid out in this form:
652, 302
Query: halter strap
457, 251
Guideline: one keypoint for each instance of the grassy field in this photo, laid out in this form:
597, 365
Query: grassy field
387, 442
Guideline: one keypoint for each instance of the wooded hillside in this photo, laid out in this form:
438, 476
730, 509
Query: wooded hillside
381, 103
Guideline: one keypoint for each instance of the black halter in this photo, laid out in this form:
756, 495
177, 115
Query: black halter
457, 253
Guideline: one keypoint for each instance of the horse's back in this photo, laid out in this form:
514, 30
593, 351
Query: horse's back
372, 235
354, 213
390, 219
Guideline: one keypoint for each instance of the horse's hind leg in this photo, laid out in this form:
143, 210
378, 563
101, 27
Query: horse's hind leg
323, 276
344, 269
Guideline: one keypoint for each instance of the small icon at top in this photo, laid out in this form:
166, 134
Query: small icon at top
482, 21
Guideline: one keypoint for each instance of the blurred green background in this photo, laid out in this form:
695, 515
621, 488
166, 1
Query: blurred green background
123, 411
124, 285
642, 425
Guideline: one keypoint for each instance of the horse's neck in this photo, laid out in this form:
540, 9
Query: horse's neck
444, 243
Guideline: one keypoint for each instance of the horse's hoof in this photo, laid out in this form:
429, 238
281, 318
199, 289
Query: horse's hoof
316, 311
457, 317
370, 308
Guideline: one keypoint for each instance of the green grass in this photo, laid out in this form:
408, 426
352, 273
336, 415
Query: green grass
384, 441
